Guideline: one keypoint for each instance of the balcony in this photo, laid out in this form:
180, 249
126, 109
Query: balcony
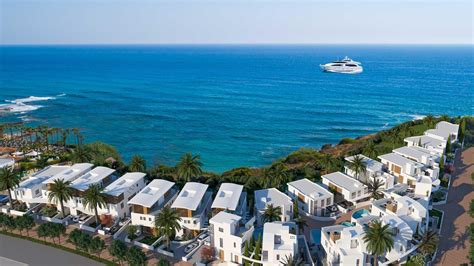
334, 236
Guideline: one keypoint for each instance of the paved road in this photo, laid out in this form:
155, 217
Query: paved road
454, 244
31, 253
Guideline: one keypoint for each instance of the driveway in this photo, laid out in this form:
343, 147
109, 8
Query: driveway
454, 247
20, 252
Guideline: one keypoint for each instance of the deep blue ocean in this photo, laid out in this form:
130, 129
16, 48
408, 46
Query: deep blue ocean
233, 105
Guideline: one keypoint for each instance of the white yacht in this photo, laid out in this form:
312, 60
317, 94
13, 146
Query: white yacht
346, 66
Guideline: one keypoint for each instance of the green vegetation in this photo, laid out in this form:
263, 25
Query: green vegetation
358, 166
61, 192
137, 164
167, 223
437, 213
135, 256
93, 199
471, 251
9, 179
271, 214
189, 166
118, 249
428, 244
379, 239
375, 187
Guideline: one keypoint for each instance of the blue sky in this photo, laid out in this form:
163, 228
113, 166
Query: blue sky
238, 21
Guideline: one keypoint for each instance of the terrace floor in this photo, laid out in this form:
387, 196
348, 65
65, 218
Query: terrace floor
454, 248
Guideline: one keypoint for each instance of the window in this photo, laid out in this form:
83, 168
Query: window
358, 193
221, 229
235, 245
278, 256
149, 219
221, 242
357, 262
353, 195
37, 192
328, 201
121, 205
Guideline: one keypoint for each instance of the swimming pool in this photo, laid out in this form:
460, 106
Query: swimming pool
346, 223
316, 236
257, 232
360, 213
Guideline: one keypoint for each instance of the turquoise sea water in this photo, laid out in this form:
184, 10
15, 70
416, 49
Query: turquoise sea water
233, 105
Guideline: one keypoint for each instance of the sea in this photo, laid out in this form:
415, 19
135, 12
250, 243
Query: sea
234, 105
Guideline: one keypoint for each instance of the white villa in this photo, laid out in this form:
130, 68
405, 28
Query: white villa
230, 198
120, 192
312, 197
70, 174
193, 203
373, 168
30, 190
443, 131
351, 189
427, 142
99, 175
275, 197
278, 243
228, 236
7, 162
149, 202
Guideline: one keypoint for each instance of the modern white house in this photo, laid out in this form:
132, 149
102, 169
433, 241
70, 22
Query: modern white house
230, 198
313, 198
228, 236
373, 168
351, 189
344, 244
7, 162
443, 131
149, 201
193, 204
417, 175
273, 196
30, 190
99, 175
422, 155
278, 243
433, 144
119, 192
408, 209
68, 175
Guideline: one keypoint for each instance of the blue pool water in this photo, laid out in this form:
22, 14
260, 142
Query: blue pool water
360, 213
316, 236
233, 105
257, 232
346, 223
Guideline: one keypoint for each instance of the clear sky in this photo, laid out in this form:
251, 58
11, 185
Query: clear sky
235, 21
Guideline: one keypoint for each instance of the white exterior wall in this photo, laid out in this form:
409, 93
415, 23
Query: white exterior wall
351, 255
286, 213
348, 195
311, 206
226, 241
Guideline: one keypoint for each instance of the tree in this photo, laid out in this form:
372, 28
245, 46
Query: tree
379, 239
4, 220
137, 164
462, 130
301, 223
97, 245
448, 145
85, 241
370, 150
58, 230
81, 154
375, 187
61, 191
9, 179
25, 222
258, 247
207, 253
296, 210
163, 262
118, 249
167, 223
358, 165
292, 261
428, 243
246, 253
43, 231
189, 166
271, 214
279, 174
131, 230
135, 256
441, 163
94, 199
74, 237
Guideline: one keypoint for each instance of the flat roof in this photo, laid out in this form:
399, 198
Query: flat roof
344, 181
411, 152
228, 196
92, 177
427, 141
190, 196
149, 195
40, 176
269, 232
71, 173
273, 196
4, 162
371, 164
225, 218
310, 189
399, 160
123, 183
444, 129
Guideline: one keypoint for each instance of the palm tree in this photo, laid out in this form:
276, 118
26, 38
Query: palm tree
189, 166
375, 186
137, 164
9, 179
292, 261
301, 223
61, 192
428, 242
271, 213
429, 119
94, 199
370, 150
279, 174
167, 223
379, 239
81, 155
358, 165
